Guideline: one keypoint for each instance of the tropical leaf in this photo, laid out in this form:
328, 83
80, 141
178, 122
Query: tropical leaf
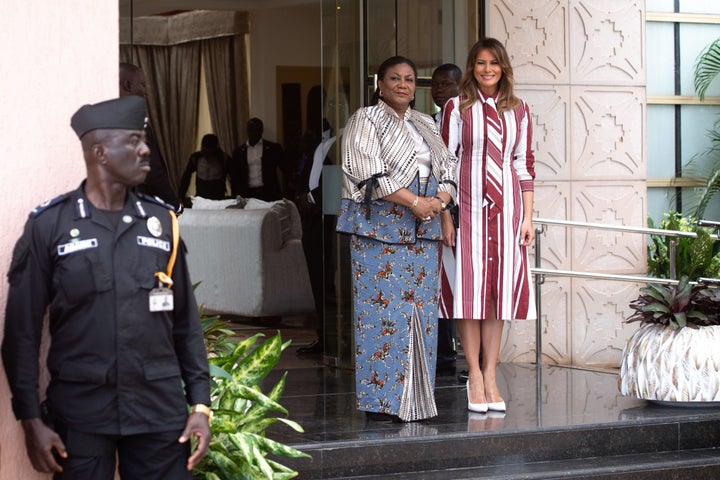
241, 408
216, 371
244, 445
680, 320
707, 68
656, 307
258, 411
694, 257
712, 188
280, 468
240, 350
258, 363
284, 475
655, 293
278, 448
250, 393
279, 388
261, 462
677, 306
222, 461
292, 424
259, 426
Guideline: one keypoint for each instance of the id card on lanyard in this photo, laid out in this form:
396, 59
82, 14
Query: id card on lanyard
161, 297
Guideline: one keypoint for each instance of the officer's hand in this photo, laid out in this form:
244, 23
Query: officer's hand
40, 441
197, 424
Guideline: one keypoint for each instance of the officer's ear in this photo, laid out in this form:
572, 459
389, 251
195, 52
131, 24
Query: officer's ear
94, 145
98, 151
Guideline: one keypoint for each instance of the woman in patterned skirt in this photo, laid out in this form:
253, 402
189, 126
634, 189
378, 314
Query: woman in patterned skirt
490, 130
398, 178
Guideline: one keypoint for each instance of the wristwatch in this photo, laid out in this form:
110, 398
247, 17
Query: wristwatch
200, 408
442, 203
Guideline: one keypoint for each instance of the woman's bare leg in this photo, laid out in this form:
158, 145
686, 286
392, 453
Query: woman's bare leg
491, 335
470, 331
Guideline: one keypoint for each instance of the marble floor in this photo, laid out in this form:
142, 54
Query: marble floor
321, 399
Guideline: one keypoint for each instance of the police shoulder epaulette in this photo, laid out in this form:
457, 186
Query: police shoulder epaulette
48, 204
156, 200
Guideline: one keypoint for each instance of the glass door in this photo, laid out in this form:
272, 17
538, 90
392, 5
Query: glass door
357, 36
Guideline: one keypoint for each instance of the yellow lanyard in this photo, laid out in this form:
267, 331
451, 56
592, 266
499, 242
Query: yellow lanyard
162, 276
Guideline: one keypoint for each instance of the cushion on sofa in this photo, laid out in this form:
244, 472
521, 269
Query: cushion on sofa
200, 203
290, 226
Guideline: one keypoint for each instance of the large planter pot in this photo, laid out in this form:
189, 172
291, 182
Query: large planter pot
672, 366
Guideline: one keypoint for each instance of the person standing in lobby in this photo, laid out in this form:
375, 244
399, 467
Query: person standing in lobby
490, 129
157, 182
445, 85
398, 178
254, 167
126, 354
210, 166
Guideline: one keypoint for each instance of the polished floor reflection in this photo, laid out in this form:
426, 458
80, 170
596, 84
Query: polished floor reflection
321, 399
553, 412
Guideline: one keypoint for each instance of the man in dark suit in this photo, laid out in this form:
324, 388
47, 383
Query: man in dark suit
254, 167
445, 85
126, 353
157, 182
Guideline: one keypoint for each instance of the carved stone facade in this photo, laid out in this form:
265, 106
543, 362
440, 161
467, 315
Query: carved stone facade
580, 65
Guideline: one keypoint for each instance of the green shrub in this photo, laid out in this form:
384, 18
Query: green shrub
694, 257
677, 306
239, 448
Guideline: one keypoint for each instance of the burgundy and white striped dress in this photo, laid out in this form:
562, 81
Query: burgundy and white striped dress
489, 262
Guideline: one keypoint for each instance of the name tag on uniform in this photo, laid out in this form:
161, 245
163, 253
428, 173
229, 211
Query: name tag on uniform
76, 246
161, 300
151, 242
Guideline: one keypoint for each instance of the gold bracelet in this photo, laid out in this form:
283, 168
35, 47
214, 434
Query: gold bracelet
414, 204
200, 408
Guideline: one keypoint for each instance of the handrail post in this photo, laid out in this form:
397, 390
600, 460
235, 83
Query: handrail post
673, 264
539, 279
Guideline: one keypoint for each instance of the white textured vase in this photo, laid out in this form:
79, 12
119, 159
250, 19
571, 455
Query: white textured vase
668, 365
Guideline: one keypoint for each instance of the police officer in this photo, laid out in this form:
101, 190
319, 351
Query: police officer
126, 356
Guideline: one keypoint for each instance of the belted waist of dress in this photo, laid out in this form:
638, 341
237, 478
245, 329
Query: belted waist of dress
370, 184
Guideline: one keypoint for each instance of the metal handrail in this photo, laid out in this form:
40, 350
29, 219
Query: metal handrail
623, 228
603, 276
540, 272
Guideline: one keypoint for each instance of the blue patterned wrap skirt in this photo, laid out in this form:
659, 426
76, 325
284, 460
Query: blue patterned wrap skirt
395, 299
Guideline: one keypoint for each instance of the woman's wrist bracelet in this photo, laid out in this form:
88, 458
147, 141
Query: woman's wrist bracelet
442, 203
415, 202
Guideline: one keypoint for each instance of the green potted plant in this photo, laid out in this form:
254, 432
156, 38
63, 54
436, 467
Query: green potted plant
707, 69
674, 357
694, 256
239, 448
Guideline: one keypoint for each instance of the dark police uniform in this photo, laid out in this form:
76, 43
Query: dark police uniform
116, 367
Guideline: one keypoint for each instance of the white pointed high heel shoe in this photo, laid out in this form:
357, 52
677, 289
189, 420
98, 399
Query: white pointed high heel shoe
475, 407
497, 406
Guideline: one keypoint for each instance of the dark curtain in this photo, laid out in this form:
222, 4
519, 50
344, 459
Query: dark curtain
172, 75
226, 74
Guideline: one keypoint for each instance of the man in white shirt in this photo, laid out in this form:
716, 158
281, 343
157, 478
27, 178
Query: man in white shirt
445, 85
254, 167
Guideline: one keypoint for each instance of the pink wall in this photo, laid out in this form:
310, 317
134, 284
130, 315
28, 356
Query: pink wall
56, 56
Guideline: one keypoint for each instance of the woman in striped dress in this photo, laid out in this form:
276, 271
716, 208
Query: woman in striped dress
490, 131
398, 178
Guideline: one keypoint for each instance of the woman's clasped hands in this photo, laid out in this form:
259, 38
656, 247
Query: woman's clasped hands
426, 208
